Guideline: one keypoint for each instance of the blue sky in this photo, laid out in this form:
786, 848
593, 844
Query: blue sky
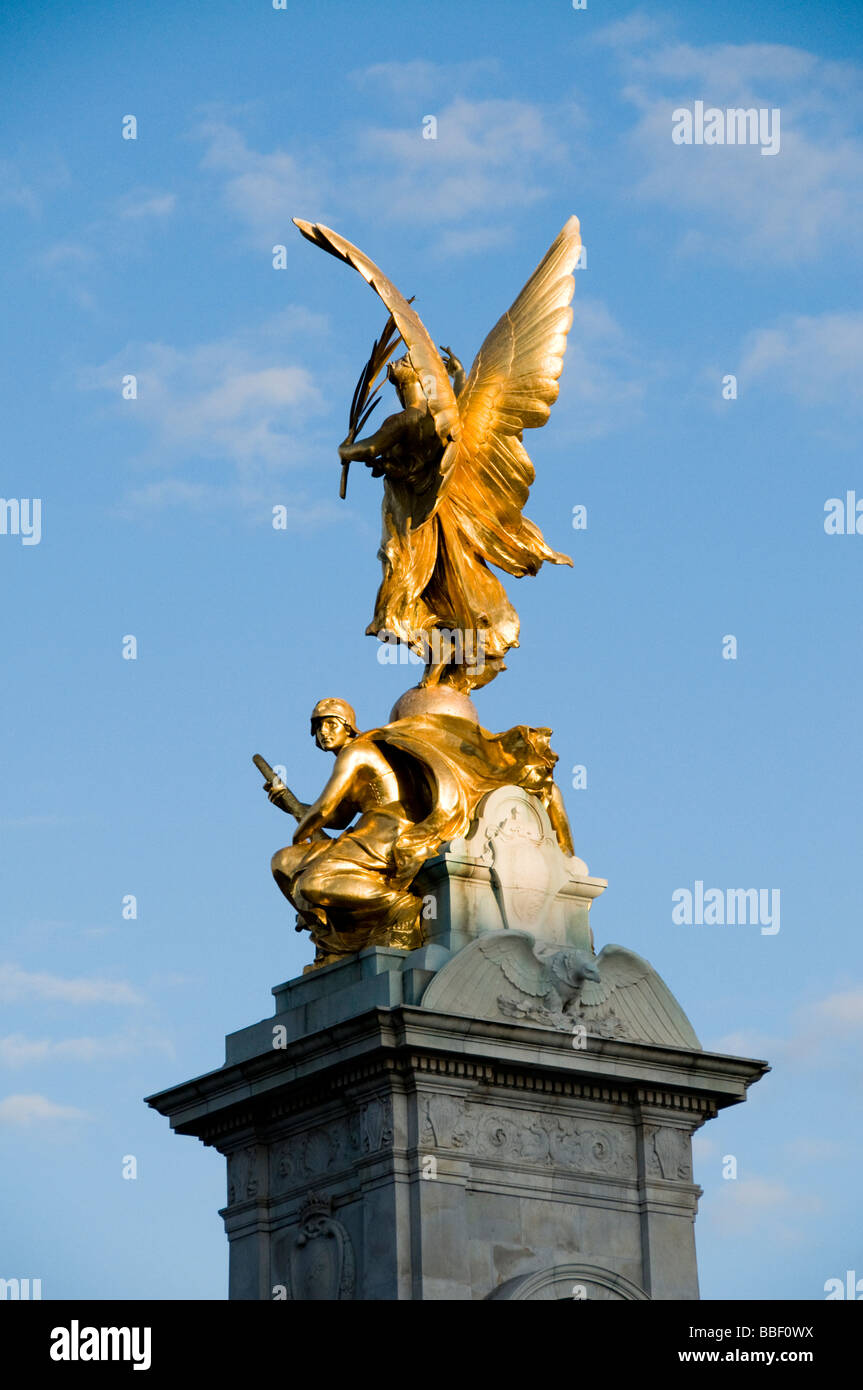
705, 518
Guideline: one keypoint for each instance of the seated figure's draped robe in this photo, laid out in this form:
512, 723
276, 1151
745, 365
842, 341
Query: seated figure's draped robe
447, 765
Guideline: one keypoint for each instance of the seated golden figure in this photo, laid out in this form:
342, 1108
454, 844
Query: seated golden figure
396, 794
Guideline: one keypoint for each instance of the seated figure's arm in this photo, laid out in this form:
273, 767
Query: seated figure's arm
330, 809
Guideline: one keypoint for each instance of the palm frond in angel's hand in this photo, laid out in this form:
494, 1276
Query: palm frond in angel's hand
367, 392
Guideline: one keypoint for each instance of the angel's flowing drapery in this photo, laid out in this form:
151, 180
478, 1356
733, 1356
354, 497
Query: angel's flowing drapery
441, 535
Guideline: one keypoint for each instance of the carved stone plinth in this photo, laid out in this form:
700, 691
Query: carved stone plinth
508, 872
402, 1153
499, 1114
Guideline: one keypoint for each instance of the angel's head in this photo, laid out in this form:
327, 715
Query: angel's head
406, 382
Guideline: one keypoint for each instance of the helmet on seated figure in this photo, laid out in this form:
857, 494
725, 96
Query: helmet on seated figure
335, 709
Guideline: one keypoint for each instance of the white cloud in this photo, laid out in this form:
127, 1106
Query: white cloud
65, 254
491, 155
303, 510
25, 1110
821, 1033
263, 190
419, 78
17, 985
16, 1050
604, 377
732, 68
758, 1192
174, 492
816, 359
28, 190
814, 1150
461, 241
141, 203
730, 200
703, 1147
238, 400
841, 1012
630, 32
749, 1043
242, 402
765, 1208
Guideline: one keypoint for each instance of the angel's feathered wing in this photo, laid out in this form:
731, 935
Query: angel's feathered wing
424, 356
486, 471
437, 556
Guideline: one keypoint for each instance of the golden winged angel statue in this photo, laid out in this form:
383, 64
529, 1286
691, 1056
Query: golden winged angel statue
456, 474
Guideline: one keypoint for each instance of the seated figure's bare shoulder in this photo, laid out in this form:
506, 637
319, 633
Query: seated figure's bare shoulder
356, 756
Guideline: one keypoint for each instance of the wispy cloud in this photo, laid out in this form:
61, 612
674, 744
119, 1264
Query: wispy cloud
489, 156
468, 241
605, 377
303, 509
263, 190
749, 1042
122, 228
841, 1012
817, 359
25, 1110
243, 402
704, 1147
631, 32
16, 1050
28, 189
143, 203
730, 201
820, 1033
22, 985
65, 254
418, 78
813, 1149
763, 1208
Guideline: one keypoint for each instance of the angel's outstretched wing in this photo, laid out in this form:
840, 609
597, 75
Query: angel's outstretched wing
513, 383
424, 356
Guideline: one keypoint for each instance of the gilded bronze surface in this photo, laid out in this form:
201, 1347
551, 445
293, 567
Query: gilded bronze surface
396, 794
456, 478
456, 474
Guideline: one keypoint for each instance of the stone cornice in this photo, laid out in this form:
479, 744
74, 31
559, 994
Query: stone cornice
405, 1044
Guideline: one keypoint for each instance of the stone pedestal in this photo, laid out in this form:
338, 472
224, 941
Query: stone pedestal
399, 1130
508, 873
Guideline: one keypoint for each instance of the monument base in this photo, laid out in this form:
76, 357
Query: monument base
497, 1115
403, 1153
